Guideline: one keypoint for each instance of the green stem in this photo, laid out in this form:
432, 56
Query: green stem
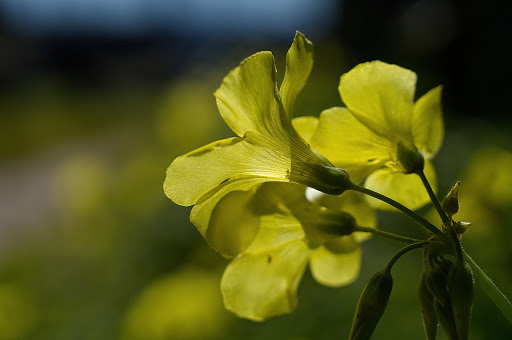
455, 242
420, 220
402, 251
433, 198
446, 221
386, 235
490, 288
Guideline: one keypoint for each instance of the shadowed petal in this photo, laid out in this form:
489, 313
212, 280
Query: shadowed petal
336, 267
427, 123
380, 95
260, 285
404, 188
299, 62
349, 144
248, 99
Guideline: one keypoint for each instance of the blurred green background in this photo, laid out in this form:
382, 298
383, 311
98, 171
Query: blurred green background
97, 98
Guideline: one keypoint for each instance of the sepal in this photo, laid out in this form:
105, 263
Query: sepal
460, 287
371, 306
451, 201
428, 312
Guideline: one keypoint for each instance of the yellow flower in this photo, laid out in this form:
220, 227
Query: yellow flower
182, 305
380, 114
262, 281
267, 149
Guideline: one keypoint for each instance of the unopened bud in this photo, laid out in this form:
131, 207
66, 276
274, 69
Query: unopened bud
435, 279
460, 288
410, 157
371, 306
451, 201
327, 179
446, 320
461, 227
428, 312
435, 249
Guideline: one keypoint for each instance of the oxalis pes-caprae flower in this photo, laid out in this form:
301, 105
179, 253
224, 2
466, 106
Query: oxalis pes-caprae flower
267, 149
274, 198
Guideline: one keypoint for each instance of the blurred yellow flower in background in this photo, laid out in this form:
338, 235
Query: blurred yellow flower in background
185, 305
18, 312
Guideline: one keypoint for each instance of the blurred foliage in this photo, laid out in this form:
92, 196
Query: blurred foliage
110, 257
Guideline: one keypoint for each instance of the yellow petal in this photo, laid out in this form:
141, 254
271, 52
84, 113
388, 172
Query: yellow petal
233, 225
262, 285
403, 188
248, 99
305, 126
299, 62
380, 95
427, 123
195, 174
336, 266
249, 102
225, 219
349, 144
274, 231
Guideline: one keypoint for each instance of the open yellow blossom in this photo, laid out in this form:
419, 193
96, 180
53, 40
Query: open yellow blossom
267, 149
262, 281
381, 114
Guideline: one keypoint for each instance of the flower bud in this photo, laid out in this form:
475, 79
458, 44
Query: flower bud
446, 320
436, 249
461, 227
371, 306
428, 312
451, 201
460, 288
410, 157
342, 223
327, 179
435, 280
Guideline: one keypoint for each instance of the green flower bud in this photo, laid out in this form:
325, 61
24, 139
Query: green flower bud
460, 288
451, 201
435, 249
428, 312
371, 306
342, 223
435, 279
410, 157
327, 179
445, 266
461, 227
446, 320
